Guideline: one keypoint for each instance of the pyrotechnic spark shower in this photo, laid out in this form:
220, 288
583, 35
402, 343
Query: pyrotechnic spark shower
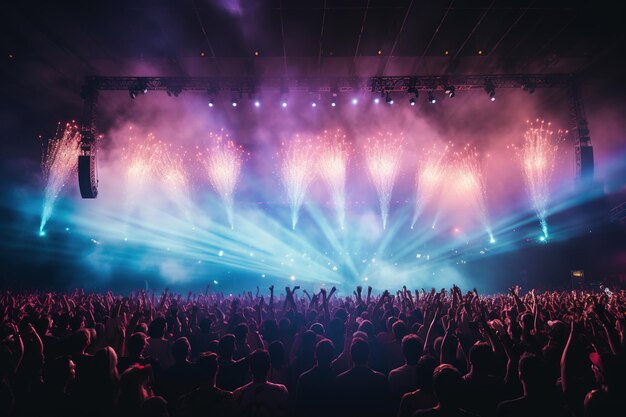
428, 180
537, 156
171, 170
222, 165
332, 169
383, 156
471, 185
58, 163
297, 172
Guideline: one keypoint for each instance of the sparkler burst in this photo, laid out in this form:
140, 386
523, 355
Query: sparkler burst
297, 172
470, 185
334, 158
537, 157
59, 161
383, 155
222, 165
428, 179
171, 171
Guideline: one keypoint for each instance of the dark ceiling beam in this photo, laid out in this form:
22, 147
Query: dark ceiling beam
476, 26
319, 54
395, 42
511, 26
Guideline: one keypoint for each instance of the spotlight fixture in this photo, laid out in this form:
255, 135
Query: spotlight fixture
355, 101
449, 90
412, 101
491, 90
234, 103
211, 104
172, 90
132, 93
376, 100
388, 99
284, 103
431, 98
314, 104
257, 103
333, 103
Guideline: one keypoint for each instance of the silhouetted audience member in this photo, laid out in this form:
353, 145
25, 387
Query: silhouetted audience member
423, 397
134, 388
539, 398
403, 379
448, 389
315, 394
483, 390
207, 399
158, 347
361, 391
233, 374
260, 397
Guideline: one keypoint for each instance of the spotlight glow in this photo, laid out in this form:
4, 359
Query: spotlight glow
257, 103
355, 101
284, 104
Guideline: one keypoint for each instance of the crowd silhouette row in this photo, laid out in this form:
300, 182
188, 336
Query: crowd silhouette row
408, 353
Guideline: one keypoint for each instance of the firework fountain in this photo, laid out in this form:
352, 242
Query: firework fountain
332, 169
470, 184
537, 157
383, 155
428, 180
171, 171
222, 165
297, 172
58, 163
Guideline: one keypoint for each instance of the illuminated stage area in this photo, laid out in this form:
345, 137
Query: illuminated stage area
365, 192
347, 157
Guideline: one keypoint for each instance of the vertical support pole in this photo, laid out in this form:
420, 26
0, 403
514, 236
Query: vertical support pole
582, 145
87, 174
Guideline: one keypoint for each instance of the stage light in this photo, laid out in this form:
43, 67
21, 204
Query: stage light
542, 238
293, 277
215, 282
333, 104
234, 103
355, 101
388, 99
314, 104
284, 103
449, 90
220, 253
376, 100
211, 103
42, 233
431, 98
491, 90
257, 103
412, 101
492, 240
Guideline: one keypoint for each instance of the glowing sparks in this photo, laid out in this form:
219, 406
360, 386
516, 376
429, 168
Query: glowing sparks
171, 171
222, 165
470, 185
537, 157
297, 172
58, 163
383, 156
428, 180
332, 169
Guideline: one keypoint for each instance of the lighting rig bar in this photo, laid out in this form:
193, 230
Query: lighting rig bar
174, 86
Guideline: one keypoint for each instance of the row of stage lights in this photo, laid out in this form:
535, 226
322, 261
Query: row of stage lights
449, 91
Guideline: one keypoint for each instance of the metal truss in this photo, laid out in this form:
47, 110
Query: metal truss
174, 86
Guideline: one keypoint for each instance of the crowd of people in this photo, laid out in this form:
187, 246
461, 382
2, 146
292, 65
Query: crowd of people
408, 353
